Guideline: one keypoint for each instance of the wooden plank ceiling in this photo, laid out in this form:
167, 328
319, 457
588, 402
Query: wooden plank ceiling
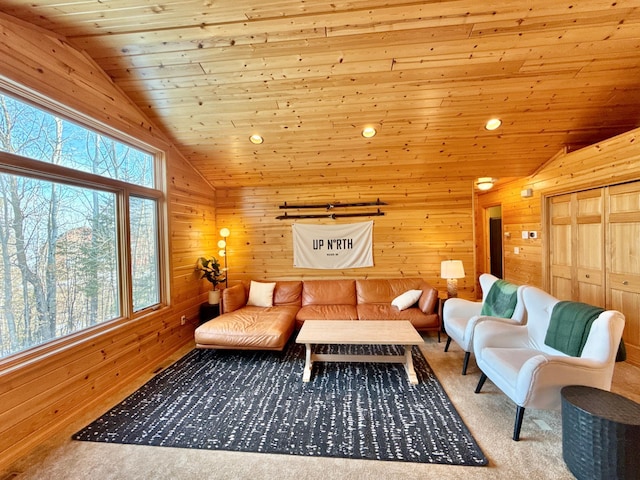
309, 75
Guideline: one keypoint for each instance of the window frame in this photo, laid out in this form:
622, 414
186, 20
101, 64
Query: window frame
23, 166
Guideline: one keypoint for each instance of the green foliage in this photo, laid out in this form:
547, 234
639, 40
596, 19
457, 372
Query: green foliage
210, 269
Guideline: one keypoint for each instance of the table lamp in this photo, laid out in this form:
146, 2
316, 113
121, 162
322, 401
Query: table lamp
452, 270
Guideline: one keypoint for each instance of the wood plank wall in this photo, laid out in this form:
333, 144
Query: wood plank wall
613, 161
424, 223
37, 395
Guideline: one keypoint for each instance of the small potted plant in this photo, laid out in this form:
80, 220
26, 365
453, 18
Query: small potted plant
210, 269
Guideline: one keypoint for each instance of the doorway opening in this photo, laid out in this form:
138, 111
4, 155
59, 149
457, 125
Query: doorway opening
493, 227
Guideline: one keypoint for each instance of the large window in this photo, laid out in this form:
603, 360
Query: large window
79, 227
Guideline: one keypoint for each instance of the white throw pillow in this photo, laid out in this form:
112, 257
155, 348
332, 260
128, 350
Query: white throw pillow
407, 299
261, 294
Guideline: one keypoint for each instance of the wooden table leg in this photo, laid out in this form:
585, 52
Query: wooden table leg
408, 365
308, 364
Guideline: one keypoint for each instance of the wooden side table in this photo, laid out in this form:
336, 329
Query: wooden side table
208, 312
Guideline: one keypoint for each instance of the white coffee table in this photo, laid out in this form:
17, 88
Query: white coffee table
359, 332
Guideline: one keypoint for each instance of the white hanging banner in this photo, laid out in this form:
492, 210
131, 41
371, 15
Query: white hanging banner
333, 246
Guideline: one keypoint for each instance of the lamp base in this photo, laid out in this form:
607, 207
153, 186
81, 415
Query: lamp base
452, 288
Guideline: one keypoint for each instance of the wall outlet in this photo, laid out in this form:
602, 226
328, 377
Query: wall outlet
533, 234
516, 250
183, 319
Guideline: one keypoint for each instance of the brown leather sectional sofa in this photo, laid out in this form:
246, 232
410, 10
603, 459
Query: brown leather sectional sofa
269, 328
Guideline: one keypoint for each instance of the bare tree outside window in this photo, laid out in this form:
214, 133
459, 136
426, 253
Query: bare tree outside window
59, 243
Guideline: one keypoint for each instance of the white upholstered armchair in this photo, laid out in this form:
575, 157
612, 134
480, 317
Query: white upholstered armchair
519, 361
460, 316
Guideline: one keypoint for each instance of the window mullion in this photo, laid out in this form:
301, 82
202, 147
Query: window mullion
15, 164
124, 254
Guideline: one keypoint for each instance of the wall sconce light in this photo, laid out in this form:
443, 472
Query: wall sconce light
485, 183
222, 245
452, 270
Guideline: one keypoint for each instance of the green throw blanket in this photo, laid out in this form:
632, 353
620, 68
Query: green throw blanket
501, 300
569, 328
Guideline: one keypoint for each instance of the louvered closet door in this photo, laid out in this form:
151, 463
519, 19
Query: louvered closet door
561, 246
590, 251
623, 270
577, 247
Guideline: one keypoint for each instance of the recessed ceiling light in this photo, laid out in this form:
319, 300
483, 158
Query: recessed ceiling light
369, 132
485, 183
256, 139
493, 123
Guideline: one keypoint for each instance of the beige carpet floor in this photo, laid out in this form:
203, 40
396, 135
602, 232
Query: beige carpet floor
488, 415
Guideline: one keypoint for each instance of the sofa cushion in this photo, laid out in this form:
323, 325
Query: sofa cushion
326, 312
288, 293
381, 311
252, 328
329, 292
261, 294
233, 298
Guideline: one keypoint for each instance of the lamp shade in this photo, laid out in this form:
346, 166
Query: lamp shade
451, 269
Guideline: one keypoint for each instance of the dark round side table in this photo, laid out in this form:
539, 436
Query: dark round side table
600, 434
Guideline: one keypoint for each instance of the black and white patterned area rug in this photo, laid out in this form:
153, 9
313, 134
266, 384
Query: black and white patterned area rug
257, 402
